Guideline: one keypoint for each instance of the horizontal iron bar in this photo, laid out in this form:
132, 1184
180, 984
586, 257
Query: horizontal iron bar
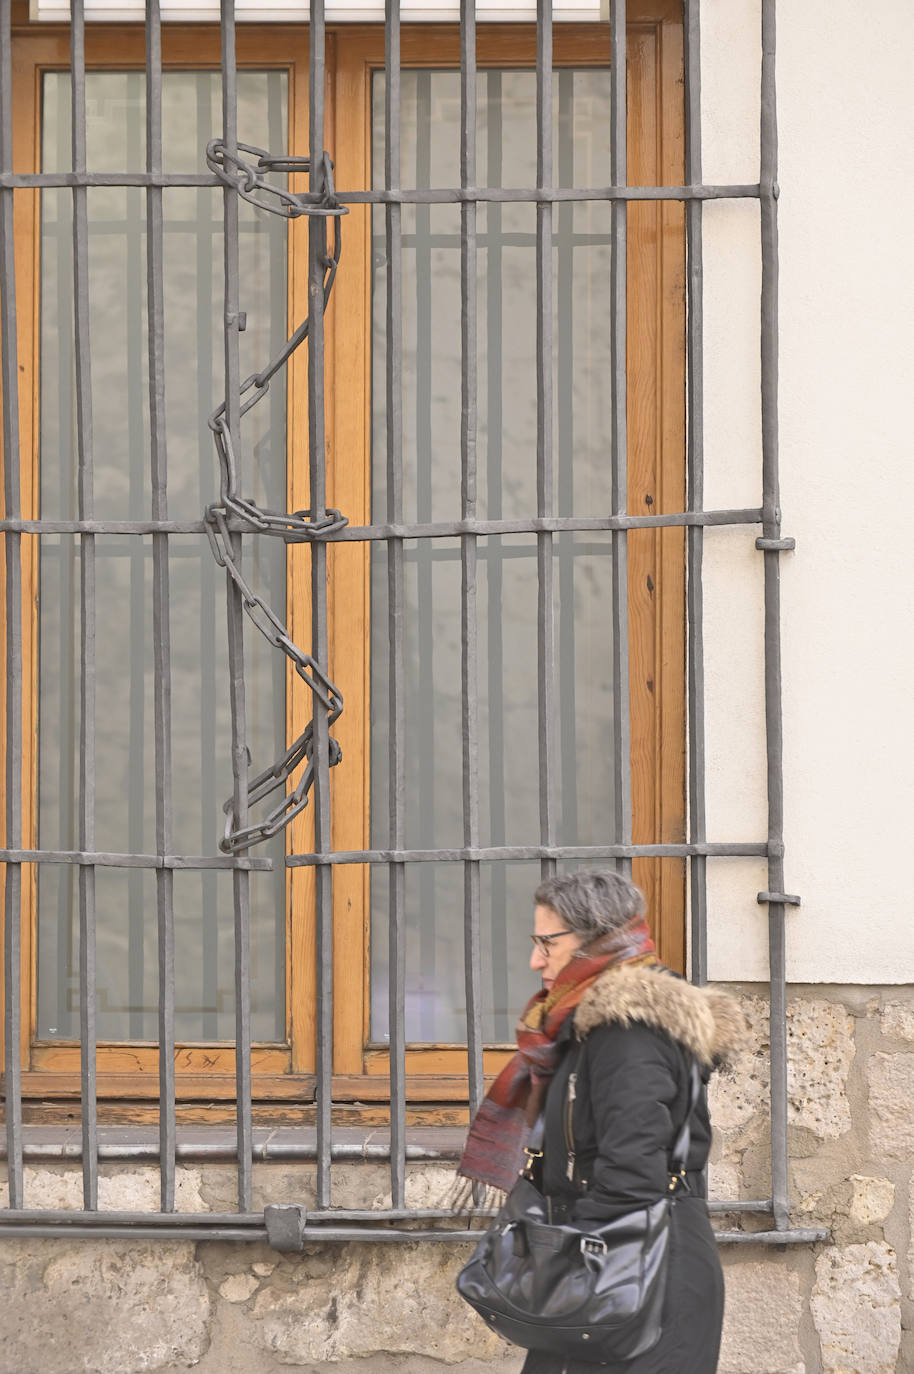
516, 853
447, 195
199, 1230
60, 1216
137, 1230
440, 529
50, 180
212, 1145
793, 1236
455, 195
112, 526
762, 1205
77, 857
168, 1221
547, 524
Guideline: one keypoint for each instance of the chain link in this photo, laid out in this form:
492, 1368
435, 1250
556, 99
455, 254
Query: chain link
249, 180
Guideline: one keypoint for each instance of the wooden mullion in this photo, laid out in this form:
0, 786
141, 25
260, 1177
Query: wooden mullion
656, 428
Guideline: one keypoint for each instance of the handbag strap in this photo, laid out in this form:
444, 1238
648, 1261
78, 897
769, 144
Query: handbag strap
680, 1151
534, 1146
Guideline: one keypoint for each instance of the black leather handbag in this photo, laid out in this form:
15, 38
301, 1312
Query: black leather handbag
588, 1290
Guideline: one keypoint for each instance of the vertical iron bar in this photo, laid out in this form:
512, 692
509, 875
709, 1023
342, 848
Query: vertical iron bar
86, 508
428, 578
161, 621
565, 380
210, 883
771, 529
698, 865
395, 606
469, 628
618, 303
545, 496
278, 135
241, 891
66, 953
9, 387
136, 786
317, 252
498, 887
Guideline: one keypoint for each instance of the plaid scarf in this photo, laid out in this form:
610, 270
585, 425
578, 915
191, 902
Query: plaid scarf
494, 1152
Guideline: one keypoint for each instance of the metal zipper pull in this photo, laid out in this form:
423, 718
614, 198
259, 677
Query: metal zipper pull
569, 1114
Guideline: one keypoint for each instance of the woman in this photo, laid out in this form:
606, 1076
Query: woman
628, 1029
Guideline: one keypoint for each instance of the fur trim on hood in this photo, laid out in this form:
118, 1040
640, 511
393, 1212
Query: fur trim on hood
708, 1022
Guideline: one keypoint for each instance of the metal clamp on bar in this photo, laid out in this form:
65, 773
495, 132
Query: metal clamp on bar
287, 1224
775, 545
782, 898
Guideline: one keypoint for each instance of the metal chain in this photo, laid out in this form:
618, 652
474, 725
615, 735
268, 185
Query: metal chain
249, 181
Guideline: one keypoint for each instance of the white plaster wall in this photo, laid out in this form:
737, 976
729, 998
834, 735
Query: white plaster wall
846, 111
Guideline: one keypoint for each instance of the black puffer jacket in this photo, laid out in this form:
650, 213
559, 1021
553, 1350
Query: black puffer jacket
629, 1049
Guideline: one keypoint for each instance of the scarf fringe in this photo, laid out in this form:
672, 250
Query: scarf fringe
462, 1201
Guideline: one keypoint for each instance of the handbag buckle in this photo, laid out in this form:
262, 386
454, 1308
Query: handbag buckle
593, 1245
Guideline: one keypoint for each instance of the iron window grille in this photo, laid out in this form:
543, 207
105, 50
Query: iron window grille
244, 172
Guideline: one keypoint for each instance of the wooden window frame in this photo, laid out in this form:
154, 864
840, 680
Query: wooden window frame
656, 365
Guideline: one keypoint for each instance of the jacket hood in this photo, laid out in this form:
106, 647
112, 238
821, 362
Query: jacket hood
707, 1022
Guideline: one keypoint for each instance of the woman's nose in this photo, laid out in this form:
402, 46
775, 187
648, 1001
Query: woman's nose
537, 958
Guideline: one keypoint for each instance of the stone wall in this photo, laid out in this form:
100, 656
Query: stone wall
842, 1307
847, 1306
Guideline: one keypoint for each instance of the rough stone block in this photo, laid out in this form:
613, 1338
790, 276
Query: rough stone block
898, 1020
871, 1200
357, 1307
723, 1181
276, 1183
857, 1309
120, 1189
238, 1287
427, 1185
59, 1187
853, 1208
891, 1085
105, 1307
761, 1319
739, 1095
820, 1050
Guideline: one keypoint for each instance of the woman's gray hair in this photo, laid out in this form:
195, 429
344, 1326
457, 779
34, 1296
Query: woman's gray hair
591, 903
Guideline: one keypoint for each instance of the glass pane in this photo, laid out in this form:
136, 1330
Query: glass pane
125, 805
507, 576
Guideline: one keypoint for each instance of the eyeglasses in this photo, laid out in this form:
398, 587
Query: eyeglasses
544, 942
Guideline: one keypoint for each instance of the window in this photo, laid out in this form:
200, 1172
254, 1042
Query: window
273, 100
